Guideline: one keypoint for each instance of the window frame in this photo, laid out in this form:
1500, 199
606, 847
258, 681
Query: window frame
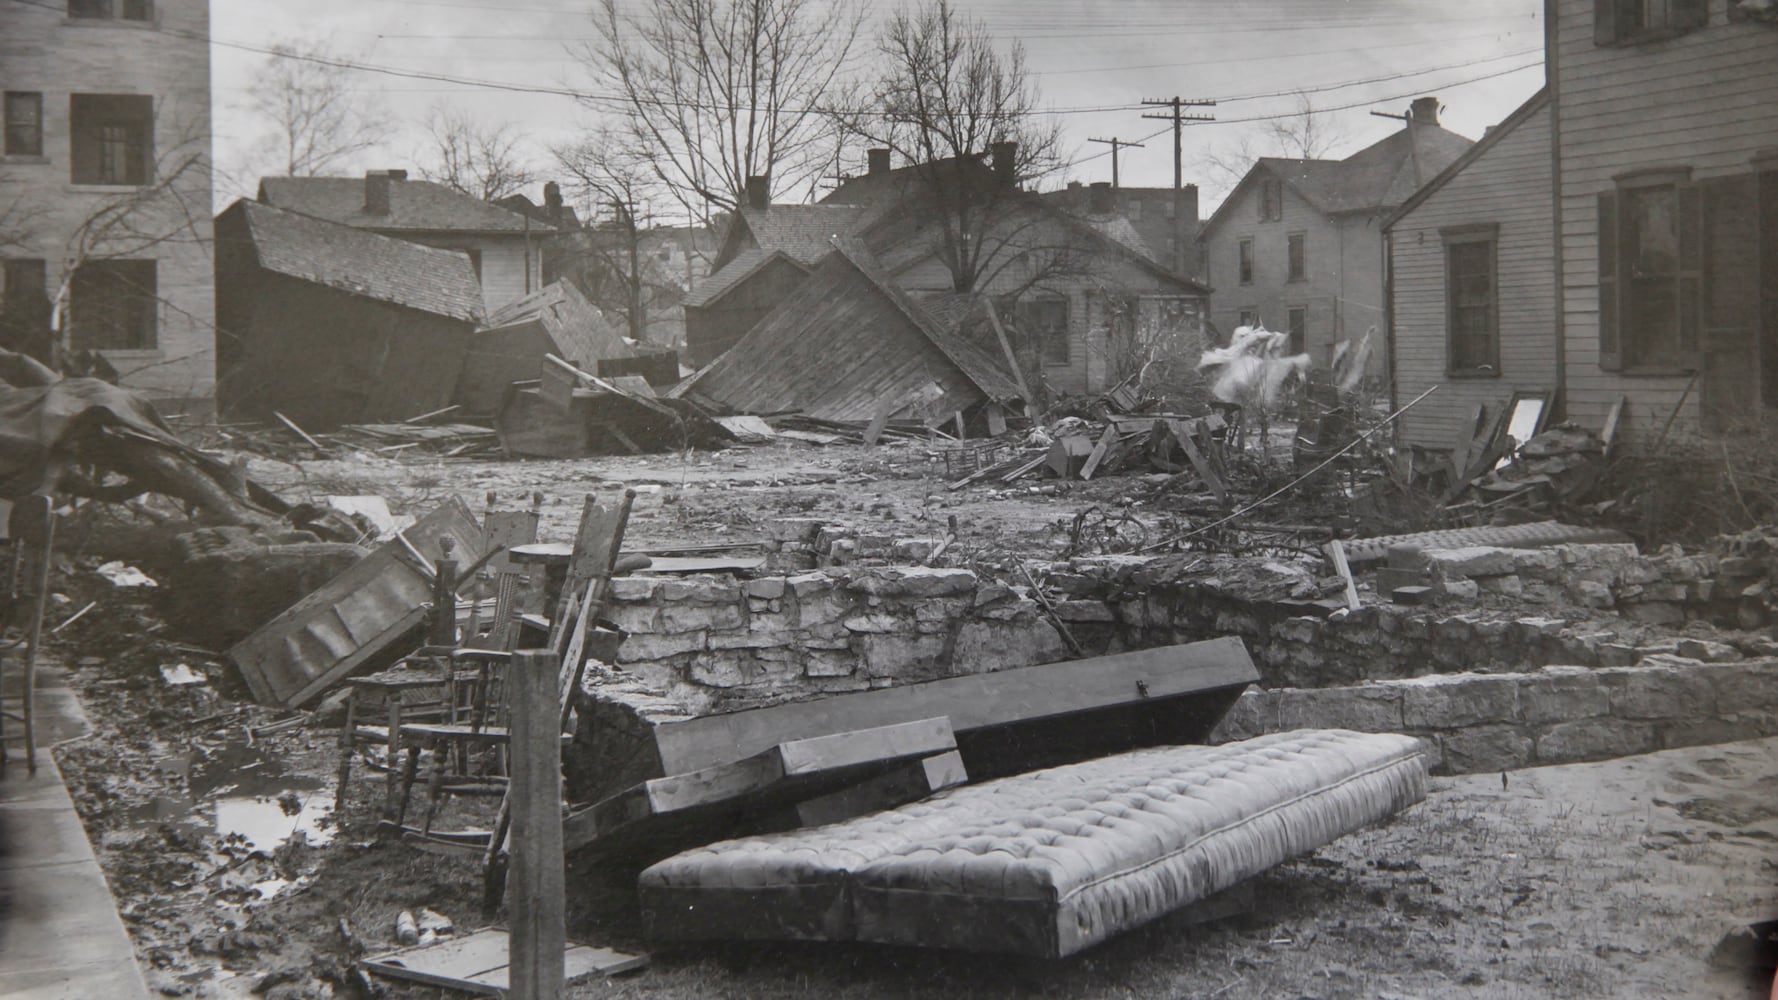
7, 103
88, 141
1468, 236
1622, 348
1296, 257
1244, 261
131, 11
1680, 17
1271, 199
1050, 342
1247, 317
144, 297
1296, 324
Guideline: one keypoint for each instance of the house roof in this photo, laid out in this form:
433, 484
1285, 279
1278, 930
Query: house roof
420, 206
802, 232
362, 263
744, 265
1379, 176
581, 333
902, 182
1519, 116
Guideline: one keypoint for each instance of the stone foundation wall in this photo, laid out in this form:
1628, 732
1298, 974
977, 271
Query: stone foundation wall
1561, 714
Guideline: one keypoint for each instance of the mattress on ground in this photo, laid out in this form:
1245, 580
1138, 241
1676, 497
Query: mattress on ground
1045, 863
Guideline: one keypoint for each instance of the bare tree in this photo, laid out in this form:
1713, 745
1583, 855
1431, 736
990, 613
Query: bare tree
947, 101
712, 92
1306, 134
618, 191
314, 118
482, 161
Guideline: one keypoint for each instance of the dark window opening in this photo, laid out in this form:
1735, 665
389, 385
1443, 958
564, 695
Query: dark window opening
1043, 319
1249, 317
24, 307
1297, 249
1650, 277
1618, 22
1271, 199
114, 305
24, 123
128, 10
1299, 328
112, 138
1471, 316
1246, 262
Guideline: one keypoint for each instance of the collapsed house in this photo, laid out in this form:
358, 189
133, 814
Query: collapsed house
330, 325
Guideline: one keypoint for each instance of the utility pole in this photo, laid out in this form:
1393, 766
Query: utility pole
1176, 103
1115, 143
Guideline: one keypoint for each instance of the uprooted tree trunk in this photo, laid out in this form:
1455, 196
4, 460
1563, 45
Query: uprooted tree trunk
87, 438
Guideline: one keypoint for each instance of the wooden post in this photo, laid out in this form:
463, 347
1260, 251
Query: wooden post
536, 918
44, 509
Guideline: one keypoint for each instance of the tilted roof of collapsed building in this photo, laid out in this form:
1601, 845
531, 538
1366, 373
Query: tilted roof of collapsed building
386, 199
362, 263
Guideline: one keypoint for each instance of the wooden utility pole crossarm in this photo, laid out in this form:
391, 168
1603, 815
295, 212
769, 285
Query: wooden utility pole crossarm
1115, 143
1177, 118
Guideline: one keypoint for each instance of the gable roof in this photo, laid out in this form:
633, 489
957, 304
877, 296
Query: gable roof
361, 263
1519, 116
420, 206
745, 264
1379, 176
906, 181
579, 330
804, 233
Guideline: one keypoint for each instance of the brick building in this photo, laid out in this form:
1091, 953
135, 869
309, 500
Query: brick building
105, 187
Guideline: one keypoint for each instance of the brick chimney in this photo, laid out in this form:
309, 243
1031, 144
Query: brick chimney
1424, 111
1004, 156
878, 160
759, 192
376, 189
552, 200
1099, 200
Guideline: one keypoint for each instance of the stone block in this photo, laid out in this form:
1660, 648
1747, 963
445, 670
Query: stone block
1406, 556
985, 646
1537, 564
752, 639
1485, 748
1729, 729
1595, 739
1116, 567
1662, 691
993, 592
725, 669
1453, 701
1416, 595
1708, 651
1655, 612
795, 529
1461, 589
656, 647
1370, 708
874, 546
690, 617
699, 589
829, 663
905, 657
1639, 572
1509, 585
805, 585
1085, 611
912, 550
1252, 714
876, 622
1741, 566
1562, 694
771, 588
1594, 594
1745, 686
911, 581
633, 618
1303, 628
1023, 610
1386, 579
633, 588
1470, 561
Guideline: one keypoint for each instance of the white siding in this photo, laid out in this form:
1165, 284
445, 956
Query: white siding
1507, 185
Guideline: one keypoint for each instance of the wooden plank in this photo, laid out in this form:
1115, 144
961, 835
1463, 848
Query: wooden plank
874, 429
477, 963
287, 422
1012, 360
1336, 552
1608, 434
996, 417
972, 702
537, 879
668, 808
1183, 433
908, 782
691, 564
1100, 450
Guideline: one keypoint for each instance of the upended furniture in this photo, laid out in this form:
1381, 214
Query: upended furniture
1046, 863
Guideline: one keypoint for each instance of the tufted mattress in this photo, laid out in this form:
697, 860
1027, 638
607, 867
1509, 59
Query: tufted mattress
1045, 863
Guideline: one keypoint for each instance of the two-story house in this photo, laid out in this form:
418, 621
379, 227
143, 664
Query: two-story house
1617, 239
105, 189
505, 247
1298, 244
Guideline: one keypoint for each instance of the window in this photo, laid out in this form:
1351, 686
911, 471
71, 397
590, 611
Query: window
1249, 317
24, 123
113, 138
1650, 264
1628, 22
1271, 199
1246, 262
24, 306
1299, 328
1472, 317
1043, 319
113, 305
1297, 250
128, 10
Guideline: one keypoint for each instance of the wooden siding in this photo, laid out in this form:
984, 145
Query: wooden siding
1702, 100
497, 358
505, 275
324, 357
837, 348
1343, 291
1507, 185
713, 329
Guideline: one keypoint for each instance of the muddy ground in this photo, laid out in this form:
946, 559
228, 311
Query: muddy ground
233, 871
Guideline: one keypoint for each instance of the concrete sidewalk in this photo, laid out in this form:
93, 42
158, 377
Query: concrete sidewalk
60, 935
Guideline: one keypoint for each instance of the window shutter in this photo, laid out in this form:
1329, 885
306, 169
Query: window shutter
1691, 271
1611, 355
1604, 22
1690, 14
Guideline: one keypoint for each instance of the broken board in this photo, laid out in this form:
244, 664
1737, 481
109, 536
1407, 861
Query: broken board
354, 618
909, 781
680, 806
1006, 721
477, 963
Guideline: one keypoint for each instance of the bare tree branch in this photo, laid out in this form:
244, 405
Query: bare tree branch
314, 119
482, 161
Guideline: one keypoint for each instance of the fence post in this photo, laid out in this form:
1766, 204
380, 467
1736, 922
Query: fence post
536, 915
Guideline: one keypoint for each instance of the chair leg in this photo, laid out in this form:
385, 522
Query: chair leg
348, 742
391, 780
409, 773
494, 863
435, 785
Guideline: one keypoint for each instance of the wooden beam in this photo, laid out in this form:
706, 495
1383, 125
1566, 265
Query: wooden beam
972, 702
996, 416
908, 782
1183, 433
1012, 360
537, 918
1100, 450
1336, 553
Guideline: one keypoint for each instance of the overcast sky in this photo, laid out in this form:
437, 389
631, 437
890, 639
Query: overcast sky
1481, 59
